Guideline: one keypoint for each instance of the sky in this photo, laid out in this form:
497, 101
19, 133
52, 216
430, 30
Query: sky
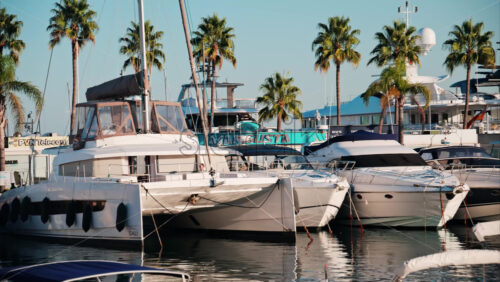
271, 36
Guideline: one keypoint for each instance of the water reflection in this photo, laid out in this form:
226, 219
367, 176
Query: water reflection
345, 255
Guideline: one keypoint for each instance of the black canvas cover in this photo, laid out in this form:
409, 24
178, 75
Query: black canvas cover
121, 87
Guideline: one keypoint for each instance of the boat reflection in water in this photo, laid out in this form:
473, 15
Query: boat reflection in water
348, 255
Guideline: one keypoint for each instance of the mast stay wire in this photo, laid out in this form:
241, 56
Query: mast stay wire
38, 117
90, 52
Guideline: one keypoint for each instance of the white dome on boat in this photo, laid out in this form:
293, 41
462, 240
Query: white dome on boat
427, 39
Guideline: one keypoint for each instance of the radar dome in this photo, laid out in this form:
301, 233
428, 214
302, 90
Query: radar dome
427, 39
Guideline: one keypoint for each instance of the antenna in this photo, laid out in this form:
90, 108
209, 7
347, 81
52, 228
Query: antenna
408, 9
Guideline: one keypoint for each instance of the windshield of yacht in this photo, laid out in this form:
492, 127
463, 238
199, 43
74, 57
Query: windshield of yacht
382, 160
454, 152
115, 119
168, 118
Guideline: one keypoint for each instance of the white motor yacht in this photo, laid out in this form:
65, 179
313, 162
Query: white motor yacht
390, 184
115, 176
318, 194
471, 165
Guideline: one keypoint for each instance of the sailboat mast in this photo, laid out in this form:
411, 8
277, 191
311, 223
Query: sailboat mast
195, 80
145, 82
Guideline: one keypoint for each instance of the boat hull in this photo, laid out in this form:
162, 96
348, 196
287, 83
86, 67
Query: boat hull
100, 224
481, 204
271, 210
177, 196
400, 208
318, 205
483, 200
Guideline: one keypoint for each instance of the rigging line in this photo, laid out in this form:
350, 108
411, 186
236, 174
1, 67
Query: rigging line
156, 200
193, 73
167, 221
165, 81
190, 19
255, 205
90, 51
44, 90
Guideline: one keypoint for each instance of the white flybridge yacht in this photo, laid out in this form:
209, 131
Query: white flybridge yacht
391, 184
130, 163
114, 176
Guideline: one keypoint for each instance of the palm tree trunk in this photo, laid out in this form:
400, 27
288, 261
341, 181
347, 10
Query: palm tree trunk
212, 99
204, 93
338, 93
3, 122
396, 114
75, 51
278, 127
421, 111
467, 93
401, 123
381, 121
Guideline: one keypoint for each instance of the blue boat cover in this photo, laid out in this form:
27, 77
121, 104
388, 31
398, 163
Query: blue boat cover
360, 135
61, 271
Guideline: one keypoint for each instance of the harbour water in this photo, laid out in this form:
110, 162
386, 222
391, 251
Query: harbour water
346, 255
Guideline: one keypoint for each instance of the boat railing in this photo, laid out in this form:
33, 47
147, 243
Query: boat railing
428, 177
240, 103
265, 166
464, 171
338, 166
405, 173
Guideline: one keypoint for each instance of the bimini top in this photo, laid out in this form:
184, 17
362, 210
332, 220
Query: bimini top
360, 135
79, 270
118, 88
264, 150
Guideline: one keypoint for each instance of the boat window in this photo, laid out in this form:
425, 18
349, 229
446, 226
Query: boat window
115, 119
168, 118
93, 129
81, 115
170, 164
461, 152
380, 160
88, 123
426, 156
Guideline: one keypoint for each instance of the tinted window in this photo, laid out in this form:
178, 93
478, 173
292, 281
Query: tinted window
386, 160
459, 152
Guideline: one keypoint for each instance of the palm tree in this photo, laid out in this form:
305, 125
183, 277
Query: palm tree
385, 89
132, 47
75, 20
336, 42
10, 29
280, 99
468, 46
213, 42
9, 86
396, 43
394, 85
